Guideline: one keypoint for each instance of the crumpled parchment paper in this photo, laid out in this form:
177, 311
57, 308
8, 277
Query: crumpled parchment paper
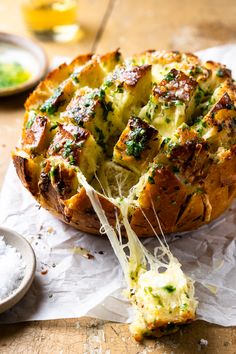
67, 284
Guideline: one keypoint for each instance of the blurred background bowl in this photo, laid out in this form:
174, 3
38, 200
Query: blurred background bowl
28, 54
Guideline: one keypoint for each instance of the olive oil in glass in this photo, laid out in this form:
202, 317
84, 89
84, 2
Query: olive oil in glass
52, 19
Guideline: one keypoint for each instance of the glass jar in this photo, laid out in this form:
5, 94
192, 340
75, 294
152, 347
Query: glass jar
52, 19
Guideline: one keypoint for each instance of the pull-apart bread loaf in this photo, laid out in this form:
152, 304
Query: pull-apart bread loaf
158, 128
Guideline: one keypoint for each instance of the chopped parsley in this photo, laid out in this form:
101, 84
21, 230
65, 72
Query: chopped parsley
136, 142
75, 78
201, 126
185, 126
57, 147
198, 70
175, 169
172, 145
108, 83
107, 106
170, 76
67, 148
151, 180
220, 73
134, 148
170, 288
139, 136
71, 160
167, 120
100, 136
149, 290
80, 144
52, 104
178, 103
148, 115
52, 172
195, 70
199, 95
31, 119
184, 306
200, 131
54, 126
165, 141
117, 56
119, 89
101, 94
199, 190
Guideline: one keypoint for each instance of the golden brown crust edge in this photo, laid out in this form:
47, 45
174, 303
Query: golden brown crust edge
78, 211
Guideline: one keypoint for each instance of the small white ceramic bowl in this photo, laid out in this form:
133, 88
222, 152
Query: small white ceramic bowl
14, 239
29, 54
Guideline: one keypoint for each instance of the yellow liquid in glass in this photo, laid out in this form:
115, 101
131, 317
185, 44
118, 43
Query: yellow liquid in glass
45, 16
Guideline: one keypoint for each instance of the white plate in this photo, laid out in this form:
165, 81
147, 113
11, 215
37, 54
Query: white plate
14, 239
29, 54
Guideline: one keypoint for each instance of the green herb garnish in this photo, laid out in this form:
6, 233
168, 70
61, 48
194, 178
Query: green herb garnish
199, 190
71, 160
120, 89
54, 126
170, 76
178, 103
151, 180
108, 83
134, 148
13, 74
57, 147
67, 148
184, 306
52, 172
170, 288
31, 119
167, 120
100, 137
220, 73
175, 169
52, 104
136, 142
199, 95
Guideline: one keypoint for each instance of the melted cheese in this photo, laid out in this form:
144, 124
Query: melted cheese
161, 294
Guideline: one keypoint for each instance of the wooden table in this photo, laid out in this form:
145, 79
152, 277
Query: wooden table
133, 26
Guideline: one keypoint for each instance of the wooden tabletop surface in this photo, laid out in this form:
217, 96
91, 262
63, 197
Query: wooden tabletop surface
133, 26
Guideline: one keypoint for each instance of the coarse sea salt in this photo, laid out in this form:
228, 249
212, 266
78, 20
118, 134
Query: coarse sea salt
12, 269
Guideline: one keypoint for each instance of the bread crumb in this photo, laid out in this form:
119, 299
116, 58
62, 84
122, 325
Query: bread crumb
202, 343
50, 230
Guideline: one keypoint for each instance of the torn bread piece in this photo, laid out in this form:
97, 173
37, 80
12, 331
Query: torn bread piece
161, 294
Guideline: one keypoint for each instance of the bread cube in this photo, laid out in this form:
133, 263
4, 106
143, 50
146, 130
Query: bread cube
77, 147
137, 145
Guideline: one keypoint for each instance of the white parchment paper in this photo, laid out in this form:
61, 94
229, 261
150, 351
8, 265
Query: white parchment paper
69, 285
